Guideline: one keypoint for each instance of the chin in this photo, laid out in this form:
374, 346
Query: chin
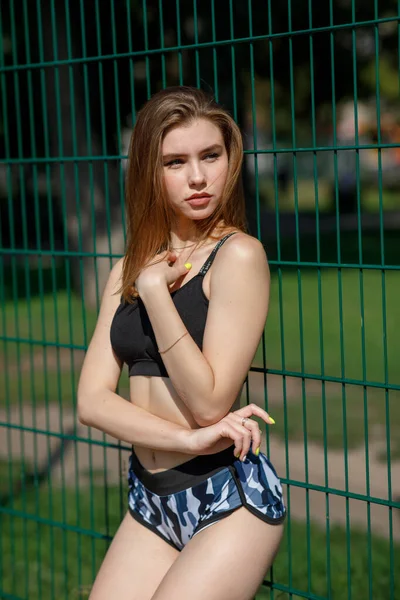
196, 214
199, 215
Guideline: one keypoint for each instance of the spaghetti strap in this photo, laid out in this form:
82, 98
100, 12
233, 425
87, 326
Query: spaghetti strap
210, 259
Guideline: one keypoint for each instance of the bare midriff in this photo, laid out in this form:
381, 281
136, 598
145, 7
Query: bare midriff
157, 396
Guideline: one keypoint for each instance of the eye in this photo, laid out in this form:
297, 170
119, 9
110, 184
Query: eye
211, 156
176, 161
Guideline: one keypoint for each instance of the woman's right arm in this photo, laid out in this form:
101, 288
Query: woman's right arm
100, 407
98, 404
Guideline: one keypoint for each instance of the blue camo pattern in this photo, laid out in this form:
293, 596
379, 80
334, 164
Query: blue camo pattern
261, 486
178, 517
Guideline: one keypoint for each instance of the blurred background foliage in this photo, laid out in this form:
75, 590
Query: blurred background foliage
333, 83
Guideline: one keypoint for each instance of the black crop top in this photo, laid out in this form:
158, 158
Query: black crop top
131, 333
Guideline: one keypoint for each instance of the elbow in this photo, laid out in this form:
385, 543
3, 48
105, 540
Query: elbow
82, 416
214, 410
85, 410
209, 417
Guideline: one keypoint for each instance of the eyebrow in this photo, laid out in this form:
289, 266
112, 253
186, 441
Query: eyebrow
181, 154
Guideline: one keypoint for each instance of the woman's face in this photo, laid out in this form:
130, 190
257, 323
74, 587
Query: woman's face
195, 165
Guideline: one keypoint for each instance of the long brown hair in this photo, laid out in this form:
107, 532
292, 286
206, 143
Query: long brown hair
149, 215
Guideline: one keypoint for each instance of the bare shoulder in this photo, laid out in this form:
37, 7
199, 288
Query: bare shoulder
115, 278
241, 249
243, 242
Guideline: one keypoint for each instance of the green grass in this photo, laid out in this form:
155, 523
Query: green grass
345, 421
362, 358
40, 387
52, 319
46, 561
39, 374
38, 560
305, 198
293, 569
310, 333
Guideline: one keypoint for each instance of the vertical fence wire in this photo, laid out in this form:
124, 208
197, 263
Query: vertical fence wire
120, 181
77, 176
60, 152
105, 164
17, 312
49, 207
5, 565
33, 376
196, 41
340, 301
88, 138
280, 295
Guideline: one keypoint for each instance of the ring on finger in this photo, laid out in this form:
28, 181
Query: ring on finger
244, 420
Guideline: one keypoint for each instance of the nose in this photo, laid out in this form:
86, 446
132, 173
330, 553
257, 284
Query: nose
197, 175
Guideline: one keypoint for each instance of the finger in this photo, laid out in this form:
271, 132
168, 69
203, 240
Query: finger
183, 264
238, 447
253, 409
170, 259
181, 270
229, 431
255, 434
183, 256
179, 261
245, 435
178, 269
246, 443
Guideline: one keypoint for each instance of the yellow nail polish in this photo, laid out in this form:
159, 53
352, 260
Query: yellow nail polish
188, 265
272, 421
237, 455
257, 452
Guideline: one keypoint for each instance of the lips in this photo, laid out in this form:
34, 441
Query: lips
198, 200
195, 196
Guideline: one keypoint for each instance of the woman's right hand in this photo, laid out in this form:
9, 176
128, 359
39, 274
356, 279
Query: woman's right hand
232, 428
165, 269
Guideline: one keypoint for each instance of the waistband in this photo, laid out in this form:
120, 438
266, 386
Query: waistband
184, 476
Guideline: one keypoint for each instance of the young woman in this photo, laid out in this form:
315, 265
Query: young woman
185, 310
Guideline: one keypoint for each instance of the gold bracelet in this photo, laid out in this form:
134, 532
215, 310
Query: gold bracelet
172, 345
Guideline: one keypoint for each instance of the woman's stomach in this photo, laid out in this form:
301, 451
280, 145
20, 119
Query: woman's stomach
157, 396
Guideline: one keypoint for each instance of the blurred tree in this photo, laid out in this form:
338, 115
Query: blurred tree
87, 103
89, 190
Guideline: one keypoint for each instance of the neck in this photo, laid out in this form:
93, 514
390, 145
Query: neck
184, 234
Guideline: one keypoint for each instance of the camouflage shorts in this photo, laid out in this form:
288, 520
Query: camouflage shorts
178, 503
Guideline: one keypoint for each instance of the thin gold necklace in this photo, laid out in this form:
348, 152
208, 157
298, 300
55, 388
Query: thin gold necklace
183, 247
187, 260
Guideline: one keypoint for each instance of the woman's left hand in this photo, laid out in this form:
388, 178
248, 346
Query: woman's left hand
166, 271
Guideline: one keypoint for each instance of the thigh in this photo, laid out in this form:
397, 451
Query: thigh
226, 561
134, 565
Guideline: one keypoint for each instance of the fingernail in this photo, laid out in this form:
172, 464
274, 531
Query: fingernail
272, 421
257, 452
237, 455
188, 265
244, 457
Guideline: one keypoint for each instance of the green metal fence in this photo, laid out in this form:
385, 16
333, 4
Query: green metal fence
315, 88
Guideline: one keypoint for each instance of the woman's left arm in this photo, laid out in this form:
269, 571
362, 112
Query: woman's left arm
209, 381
